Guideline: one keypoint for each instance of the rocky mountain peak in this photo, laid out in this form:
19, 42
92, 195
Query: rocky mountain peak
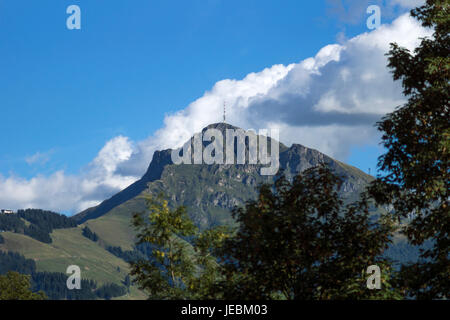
211, 191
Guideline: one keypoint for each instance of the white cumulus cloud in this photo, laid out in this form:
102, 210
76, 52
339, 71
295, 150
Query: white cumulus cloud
71, 193
329, 102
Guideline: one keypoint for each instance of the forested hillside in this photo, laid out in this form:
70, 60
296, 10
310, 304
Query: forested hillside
35, 223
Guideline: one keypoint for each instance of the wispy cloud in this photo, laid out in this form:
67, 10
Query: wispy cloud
40, 158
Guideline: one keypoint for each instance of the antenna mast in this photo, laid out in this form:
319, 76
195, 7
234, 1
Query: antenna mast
224, 111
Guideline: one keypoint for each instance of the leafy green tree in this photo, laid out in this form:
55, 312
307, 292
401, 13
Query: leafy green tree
181, 265
16, 286
298, 241
416, 180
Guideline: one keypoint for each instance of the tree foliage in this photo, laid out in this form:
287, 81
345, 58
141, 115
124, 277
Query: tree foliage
89, 234
47, 220
297, 241
180, 265
55, 287
416, 135
16, 286
13, 261
110, 290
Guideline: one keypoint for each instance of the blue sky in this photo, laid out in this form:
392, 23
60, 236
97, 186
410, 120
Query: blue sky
65, 93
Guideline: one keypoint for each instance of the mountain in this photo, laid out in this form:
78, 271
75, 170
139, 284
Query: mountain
211, 191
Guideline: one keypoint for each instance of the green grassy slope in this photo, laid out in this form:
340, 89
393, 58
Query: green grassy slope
70, 247
114, 228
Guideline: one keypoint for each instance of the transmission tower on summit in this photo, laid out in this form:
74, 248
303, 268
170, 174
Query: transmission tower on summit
224, 111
